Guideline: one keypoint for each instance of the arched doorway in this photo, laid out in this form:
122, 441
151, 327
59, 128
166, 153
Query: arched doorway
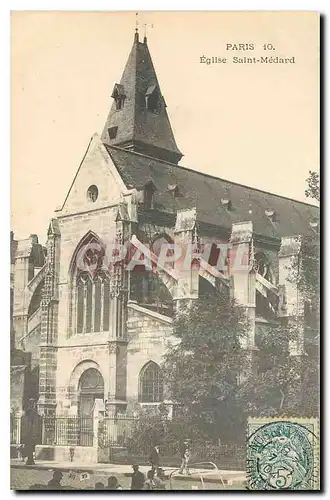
90, 388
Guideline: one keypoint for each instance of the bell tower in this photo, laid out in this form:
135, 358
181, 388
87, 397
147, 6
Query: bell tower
138, 119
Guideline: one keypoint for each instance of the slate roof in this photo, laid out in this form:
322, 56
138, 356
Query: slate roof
205, 192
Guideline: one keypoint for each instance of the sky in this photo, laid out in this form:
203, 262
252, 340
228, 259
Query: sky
253, 124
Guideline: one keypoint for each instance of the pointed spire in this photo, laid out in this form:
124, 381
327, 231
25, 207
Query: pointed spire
53, 228
138, 119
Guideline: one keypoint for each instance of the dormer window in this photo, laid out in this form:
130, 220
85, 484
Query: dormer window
152, 99
118, 95
174, 190
270, 214
226, 202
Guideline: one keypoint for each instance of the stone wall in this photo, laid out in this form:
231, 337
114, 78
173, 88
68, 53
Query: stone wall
148, 333
31, 344
73, 229
17, 387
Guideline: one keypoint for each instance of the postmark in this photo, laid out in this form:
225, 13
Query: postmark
283, 454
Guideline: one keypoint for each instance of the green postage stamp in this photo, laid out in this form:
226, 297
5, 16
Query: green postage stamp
283, 454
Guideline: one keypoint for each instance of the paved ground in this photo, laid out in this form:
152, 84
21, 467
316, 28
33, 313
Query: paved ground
22, 477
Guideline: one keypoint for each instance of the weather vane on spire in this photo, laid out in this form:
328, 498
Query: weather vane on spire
136, 22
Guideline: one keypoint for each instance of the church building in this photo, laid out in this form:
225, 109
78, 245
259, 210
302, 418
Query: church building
96, 332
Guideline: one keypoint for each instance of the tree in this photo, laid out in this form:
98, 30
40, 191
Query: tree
288, 384
203, 367
306, 274
308, 279
313, 190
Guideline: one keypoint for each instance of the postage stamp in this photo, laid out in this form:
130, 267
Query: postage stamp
283, 454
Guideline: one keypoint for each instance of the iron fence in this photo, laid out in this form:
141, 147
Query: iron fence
60, 431
226, 456
116, 431
15, 430
121, 441
68, 431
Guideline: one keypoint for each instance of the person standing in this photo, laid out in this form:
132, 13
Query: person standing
137, 478
31, 431
55, 482
154, 459
185, 456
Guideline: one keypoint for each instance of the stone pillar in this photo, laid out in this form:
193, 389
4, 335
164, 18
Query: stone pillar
49, 325
98, 408
186, 239
291, 304
117, 374
291, 301
242, 273
243, 283
112, 382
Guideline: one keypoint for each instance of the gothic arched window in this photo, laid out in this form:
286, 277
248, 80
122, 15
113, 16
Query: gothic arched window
89, 303
150, 383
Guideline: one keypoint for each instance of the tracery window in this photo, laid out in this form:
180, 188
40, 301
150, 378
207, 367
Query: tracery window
150, 383
92, 302
91, 380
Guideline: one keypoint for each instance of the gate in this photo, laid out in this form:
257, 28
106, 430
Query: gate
113, 438
68, 431
115, 431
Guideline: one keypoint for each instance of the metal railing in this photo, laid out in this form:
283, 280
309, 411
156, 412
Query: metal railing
116, 431
59, 431
15, 430
120, 440
123, 432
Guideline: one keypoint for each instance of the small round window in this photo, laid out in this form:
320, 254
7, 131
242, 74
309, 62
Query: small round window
92, 193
